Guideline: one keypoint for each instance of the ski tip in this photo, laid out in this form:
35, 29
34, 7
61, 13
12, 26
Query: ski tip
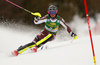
14, 53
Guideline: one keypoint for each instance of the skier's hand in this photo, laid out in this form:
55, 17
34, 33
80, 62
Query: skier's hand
74, 35
36, 19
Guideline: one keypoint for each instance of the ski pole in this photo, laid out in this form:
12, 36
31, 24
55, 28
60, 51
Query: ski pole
36, 13
76, 37
71, 40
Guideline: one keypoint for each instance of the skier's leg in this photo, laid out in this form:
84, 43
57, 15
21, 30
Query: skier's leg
39, 40
21, 49
44, 40
43, 37
41, 44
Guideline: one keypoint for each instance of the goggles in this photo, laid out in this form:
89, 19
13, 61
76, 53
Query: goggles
52, 12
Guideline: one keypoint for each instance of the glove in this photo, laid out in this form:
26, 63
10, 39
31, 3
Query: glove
74, 35
36, 19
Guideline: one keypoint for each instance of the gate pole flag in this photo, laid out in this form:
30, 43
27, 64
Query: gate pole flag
85, 4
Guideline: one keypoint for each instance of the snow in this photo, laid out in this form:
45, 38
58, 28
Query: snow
59, 52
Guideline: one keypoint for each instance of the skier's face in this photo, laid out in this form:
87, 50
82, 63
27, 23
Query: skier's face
52, 15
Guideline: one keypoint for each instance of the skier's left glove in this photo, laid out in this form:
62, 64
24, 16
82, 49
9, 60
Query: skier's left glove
74, 35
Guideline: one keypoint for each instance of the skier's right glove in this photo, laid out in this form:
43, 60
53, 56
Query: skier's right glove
36, 19
74, 35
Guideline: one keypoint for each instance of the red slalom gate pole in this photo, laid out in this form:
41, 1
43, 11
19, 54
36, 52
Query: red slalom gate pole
85, 4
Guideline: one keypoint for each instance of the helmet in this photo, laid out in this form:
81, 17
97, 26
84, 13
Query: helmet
52, 9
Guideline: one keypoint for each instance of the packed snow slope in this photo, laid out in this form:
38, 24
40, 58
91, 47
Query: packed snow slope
64, 52
61, 51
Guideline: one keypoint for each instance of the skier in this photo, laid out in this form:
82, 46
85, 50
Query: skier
52, 22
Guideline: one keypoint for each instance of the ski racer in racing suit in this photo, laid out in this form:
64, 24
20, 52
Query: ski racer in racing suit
52, 22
